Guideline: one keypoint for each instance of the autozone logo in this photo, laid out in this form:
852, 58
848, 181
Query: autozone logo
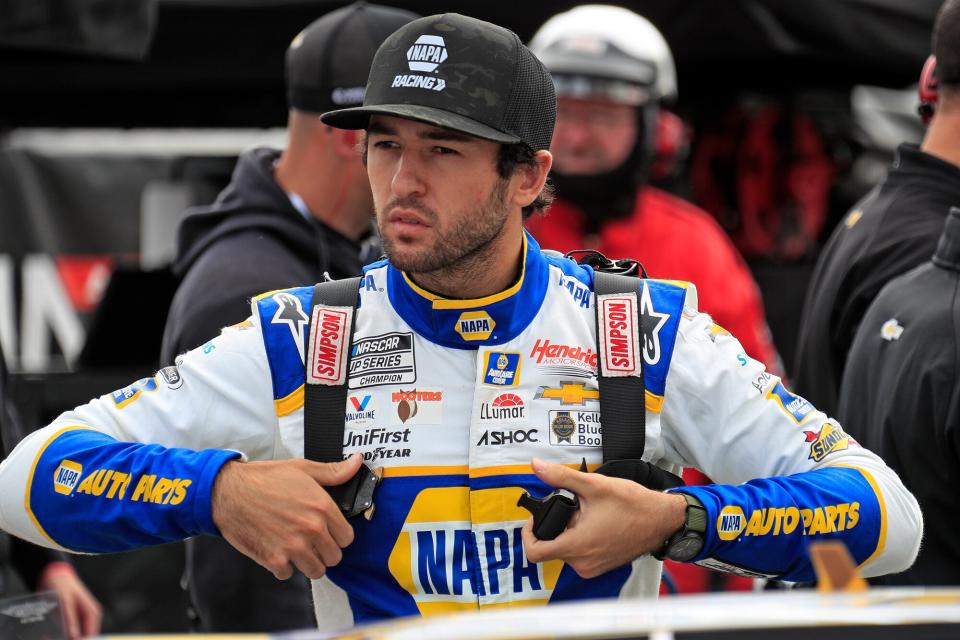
620, 338
328, 351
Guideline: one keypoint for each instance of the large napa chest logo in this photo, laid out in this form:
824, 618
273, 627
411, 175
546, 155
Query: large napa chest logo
575, 428
448, 562
383, 359
501, 369
828, 439
474, 325
417, 406
66, 477
425, 55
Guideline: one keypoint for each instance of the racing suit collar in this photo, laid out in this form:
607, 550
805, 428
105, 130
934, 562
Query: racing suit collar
469, 324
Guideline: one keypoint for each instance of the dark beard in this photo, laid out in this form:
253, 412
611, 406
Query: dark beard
461, 253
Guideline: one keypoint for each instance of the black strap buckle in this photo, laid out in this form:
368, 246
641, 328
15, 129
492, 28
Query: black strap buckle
355, 496
552, 513
600, 262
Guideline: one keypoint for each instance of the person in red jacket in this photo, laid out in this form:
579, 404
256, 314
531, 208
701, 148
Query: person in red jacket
611, 68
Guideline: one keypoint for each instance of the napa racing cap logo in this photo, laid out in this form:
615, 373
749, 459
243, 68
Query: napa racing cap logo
66, 477
424, 55
828, 439
501, 369
730, 523
474, 325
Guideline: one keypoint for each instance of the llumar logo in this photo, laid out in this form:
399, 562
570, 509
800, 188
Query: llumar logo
328, 351
828, 439
474, 325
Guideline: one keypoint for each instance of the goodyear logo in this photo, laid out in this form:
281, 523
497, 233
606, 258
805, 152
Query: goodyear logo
775, 521
66, 477
474, 325
448, 562
828, 439
501, 369
130, 393
150, 488
793, 405
730, 523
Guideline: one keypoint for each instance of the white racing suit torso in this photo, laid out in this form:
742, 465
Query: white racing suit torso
453, 398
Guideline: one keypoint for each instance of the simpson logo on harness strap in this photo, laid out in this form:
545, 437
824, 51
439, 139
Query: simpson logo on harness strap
620, 379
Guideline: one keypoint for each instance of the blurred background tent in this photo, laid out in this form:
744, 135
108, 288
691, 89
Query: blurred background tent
115, 115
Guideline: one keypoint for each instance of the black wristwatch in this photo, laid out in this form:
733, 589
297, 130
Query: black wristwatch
686, 543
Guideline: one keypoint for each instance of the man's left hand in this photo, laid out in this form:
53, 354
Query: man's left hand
618, 521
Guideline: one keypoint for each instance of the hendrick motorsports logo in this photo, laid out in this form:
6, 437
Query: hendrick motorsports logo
425, 55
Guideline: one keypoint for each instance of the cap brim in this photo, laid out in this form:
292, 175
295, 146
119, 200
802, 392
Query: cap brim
358, 117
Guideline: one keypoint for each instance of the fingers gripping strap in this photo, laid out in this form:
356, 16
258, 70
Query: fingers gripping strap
620, 374
327, 367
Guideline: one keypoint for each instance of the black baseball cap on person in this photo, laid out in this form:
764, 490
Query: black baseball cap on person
459, 73
328, 62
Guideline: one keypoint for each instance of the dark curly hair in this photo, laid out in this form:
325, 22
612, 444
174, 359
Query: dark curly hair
508, 159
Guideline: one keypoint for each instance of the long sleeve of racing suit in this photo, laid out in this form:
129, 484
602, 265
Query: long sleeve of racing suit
86, 483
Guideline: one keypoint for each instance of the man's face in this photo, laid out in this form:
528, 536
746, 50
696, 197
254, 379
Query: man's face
592, 136
436, 193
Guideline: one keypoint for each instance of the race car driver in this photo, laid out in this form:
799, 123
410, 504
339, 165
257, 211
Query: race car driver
473, 352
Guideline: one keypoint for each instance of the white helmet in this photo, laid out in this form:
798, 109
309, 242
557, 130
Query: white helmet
607, 43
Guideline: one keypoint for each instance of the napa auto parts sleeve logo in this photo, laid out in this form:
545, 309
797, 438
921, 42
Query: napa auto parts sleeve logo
426, 54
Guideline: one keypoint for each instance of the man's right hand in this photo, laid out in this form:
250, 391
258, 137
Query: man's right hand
278, 513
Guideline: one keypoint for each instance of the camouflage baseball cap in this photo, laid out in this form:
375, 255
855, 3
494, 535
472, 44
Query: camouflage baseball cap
459, 73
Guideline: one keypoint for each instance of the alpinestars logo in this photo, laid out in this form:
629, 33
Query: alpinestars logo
425, 55
290, 312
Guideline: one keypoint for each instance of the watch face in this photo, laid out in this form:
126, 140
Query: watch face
685, 548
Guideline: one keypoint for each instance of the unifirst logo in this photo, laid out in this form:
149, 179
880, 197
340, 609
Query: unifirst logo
66, 477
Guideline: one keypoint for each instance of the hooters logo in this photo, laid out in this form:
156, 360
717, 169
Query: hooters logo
328, 351
619, 335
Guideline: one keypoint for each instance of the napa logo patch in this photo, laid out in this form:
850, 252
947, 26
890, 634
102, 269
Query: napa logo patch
425, 55
501, 369
474, 325
730, 523
793, 405
66, 477
827, 440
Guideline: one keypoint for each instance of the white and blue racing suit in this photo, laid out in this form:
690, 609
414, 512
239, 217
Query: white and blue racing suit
453, 398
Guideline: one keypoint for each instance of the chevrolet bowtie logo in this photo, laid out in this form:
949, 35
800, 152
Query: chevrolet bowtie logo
568, 393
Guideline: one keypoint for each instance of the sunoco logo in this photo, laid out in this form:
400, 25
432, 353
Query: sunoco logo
425, 55
825, 441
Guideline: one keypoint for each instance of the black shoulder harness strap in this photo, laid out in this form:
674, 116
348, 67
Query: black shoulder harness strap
325, 405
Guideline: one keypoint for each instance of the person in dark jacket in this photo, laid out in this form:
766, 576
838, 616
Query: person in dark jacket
901, 398
41, 569
287, 217
893, 229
